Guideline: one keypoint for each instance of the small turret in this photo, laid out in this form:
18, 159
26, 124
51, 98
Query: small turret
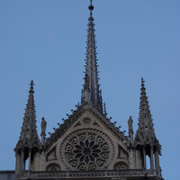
145, 140
28, 142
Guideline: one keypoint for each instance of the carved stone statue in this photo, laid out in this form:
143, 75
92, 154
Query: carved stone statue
43, 130
130, 125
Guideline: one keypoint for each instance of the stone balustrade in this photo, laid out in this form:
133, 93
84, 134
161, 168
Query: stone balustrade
110, 174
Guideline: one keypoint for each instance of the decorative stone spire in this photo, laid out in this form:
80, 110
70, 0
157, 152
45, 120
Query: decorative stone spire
29, 136
145, 131
91, 72
145, 135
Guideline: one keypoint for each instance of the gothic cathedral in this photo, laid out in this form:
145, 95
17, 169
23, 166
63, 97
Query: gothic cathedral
88, 145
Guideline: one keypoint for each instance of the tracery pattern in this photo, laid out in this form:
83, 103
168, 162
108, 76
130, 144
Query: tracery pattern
87, 150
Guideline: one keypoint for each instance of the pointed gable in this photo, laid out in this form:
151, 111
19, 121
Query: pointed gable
82, 112
87, 130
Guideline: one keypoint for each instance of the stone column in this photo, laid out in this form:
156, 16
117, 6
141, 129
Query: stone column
22, 161
135, 159
144, 157
29, 160
18, 163
157, 162
132, 159
152, 160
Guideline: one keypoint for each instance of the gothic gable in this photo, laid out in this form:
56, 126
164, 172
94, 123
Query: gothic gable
90, 142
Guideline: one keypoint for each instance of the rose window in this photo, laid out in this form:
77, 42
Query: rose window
86, 150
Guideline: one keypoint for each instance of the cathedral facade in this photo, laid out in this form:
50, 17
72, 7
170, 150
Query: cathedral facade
88, 145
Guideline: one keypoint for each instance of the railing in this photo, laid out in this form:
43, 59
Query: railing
85, 174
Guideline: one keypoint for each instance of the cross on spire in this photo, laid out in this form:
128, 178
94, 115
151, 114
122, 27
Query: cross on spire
91, 7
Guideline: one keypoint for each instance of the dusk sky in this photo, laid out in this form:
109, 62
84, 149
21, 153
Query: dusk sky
45, 41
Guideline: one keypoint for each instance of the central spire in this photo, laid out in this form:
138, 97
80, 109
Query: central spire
91, 94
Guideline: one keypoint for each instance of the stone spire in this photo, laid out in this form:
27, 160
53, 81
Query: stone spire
145, 135
29, 136
91, 72
145, 132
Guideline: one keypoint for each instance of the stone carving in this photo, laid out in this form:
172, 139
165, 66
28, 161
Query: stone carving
43, 130
53, 167
87, 149
86, 120
43, 126
120, 165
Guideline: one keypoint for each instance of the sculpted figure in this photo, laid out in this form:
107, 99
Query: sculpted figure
43, 129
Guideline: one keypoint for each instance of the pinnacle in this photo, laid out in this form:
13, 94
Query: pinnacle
29, 135
145, 120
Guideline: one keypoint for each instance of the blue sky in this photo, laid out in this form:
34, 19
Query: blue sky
45, 41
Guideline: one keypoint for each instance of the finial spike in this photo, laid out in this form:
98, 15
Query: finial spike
142, 82
91, 7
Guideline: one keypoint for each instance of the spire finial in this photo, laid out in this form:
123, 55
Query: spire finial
142, 82
31, 87
91, 7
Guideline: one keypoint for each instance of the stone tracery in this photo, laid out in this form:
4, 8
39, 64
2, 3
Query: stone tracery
86, 149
